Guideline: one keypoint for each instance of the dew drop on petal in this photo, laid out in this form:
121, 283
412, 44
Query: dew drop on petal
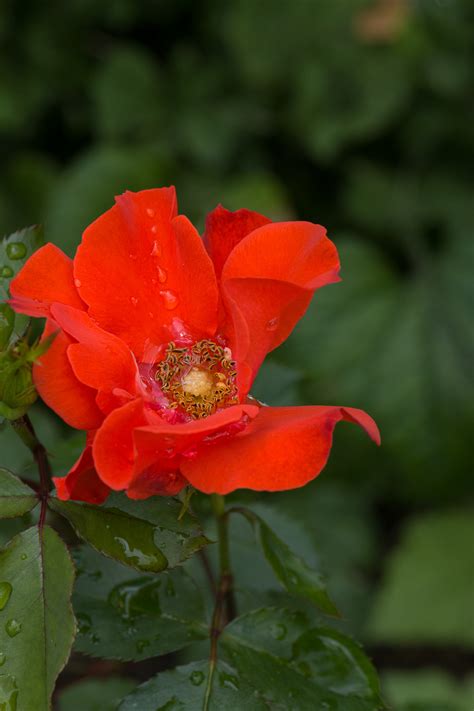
77, 283
170, 299
150, 212
272, 324
12, 628
16, 250
132, 256
134, 300
156, 251
154, 229
162, 275
5, 592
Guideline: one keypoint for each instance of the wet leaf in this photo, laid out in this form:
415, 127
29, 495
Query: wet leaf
16, 498
36, 621
125, 616
144, 536
273, 659
291, 570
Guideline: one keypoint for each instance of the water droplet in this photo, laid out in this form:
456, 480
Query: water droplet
279, 631
150, 212
229, 681
139, 557
151, 314
23, 556
77, 283
142, 644
8, 692
84, 622
134, 300
6, 272
156, 250
272, 324
12, 628
5, 592
162, 275
16, 250
132, 256
196, 678
154, 229
169, 298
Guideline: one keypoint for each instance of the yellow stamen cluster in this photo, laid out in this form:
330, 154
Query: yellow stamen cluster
198, 379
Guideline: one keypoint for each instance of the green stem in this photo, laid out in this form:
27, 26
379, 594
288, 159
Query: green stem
25, 430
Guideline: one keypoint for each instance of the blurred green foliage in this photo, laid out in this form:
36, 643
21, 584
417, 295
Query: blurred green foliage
356, 114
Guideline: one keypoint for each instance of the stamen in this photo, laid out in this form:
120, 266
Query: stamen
199, 379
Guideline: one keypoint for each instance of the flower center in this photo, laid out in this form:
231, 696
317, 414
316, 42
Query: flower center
198, 379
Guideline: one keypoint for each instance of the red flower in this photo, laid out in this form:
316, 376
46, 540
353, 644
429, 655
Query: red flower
160, 336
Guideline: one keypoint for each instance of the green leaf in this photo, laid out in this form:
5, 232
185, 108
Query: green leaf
14, 251
428, 589
291, 570
36, 620
143, 535
16, 498
186, 687
274, 660
122, 616
428, 690
95, 694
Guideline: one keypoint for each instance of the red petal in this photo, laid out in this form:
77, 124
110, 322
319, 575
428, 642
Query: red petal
160, 448
267, 284
142, 269
46, 277
99, 359
82, 482
225, 229
283, 448
113, 448
165, 441
55, 381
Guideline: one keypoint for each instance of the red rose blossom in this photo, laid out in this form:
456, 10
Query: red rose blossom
159, 337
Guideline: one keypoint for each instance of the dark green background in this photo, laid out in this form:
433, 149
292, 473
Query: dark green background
356, 114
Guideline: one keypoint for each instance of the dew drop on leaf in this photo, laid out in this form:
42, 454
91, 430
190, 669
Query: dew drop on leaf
84, 622
279, 631
16, 250
196, 678
230, 682
6, 272
13, 627
8, 692
5, 592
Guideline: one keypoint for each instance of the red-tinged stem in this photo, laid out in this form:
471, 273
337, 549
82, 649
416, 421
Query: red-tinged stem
25, 430
224, 606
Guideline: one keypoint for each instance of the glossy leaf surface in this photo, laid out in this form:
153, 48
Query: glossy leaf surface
16, 498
